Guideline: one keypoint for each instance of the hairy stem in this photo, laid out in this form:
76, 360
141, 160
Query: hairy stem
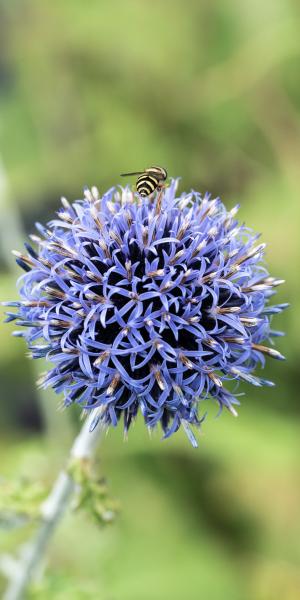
22, 571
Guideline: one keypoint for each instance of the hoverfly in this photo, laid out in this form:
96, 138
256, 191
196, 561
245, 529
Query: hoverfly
149, 180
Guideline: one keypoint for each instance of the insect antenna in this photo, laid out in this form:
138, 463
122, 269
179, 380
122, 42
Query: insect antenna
135, 173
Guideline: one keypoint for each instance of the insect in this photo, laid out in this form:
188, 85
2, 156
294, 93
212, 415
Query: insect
149, 180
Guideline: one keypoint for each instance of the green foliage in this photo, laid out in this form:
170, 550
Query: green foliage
20, 501
224, 519
61, 587
92, 493
21, 498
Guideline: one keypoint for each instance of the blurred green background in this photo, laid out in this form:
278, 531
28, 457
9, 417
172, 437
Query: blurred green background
211, 91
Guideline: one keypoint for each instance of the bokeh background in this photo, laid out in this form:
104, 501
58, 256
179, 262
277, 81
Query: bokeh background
211, 91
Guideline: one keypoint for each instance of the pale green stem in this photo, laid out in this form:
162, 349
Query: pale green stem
21, 572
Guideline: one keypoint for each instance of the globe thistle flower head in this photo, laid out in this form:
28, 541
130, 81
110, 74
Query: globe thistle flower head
147, 305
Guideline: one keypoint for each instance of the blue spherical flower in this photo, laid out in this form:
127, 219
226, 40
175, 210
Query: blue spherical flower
147, 304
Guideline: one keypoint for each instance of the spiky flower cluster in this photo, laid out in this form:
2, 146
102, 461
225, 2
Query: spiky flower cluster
146, 304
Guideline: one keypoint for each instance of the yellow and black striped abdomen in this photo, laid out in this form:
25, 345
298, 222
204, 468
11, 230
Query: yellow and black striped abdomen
146, 184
